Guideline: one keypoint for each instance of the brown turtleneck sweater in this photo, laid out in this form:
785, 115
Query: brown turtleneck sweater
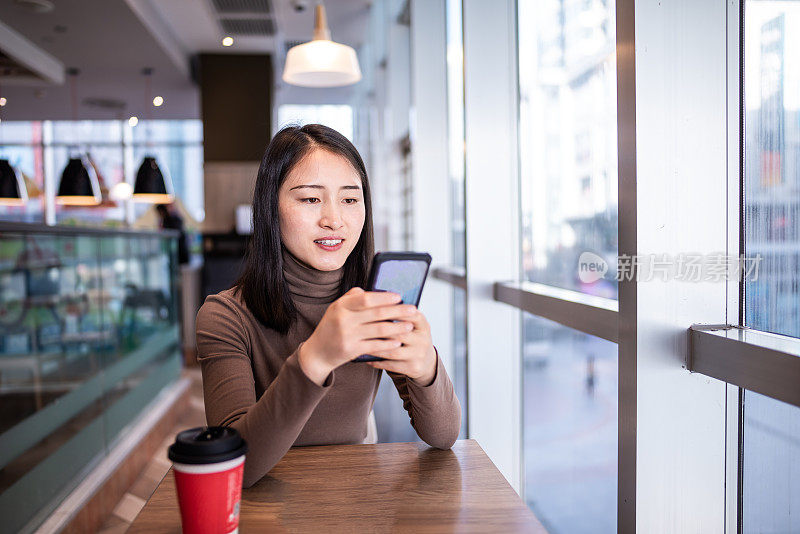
253, 382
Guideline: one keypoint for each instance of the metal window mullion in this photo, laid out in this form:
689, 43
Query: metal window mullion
735, 245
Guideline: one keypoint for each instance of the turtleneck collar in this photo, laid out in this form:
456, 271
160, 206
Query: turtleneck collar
307, 284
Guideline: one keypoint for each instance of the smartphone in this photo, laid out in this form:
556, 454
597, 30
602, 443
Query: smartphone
399, 272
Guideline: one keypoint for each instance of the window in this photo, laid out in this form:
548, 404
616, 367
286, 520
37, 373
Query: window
115, 150
338, 117
570, 427
455, 126
456, 171
770, 465
772, 165
101, 143
770, 428
568, 141
178, 148
568, 209
21, 145
459, 348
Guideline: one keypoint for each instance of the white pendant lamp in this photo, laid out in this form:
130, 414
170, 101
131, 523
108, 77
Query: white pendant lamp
321, 62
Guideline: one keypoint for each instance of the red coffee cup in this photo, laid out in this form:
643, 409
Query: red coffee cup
208, 464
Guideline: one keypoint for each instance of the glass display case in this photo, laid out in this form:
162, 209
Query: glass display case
89, 335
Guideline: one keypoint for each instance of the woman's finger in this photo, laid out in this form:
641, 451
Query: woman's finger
354, 290
374, 346
394, 366
419, 320
395, 354
370, 299
384, 329
386, 313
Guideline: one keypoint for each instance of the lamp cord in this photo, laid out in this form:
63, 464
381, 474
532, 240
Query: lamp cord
73, 75
148, 72
1, 116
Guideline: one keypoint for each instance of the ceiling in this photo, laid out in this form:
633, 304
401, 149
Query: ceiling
112, 41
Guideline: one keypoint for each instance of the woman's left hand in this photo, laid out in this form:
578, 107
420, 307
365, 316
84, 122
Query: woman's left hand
416, 358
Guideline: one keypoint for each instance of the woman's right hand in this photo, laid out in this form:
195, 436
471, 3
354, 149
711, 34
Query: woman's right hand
354, 324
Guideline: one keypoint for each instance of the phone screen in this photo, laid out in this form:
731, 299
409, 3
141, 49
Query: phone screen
402, 276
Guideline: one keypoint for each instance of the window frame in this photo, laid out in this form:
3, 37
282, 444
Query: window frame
741, 357
748, 358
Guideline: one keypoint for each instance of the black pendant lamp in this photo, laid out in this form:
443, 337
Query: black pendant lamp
79, 185
12, 187
151, 185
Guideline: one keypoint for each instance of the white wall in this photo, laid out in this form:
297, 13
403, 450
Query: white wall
680, 206
428, 124
493, 329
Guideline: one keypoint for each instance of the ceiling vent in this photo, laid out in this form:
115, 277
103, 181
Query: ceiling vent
223, 7
244, 18
36, 6
248, 27
108, 104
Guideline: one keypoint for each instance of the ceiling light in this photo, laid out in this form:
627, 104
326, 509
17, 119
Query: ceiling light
151, 186
79, 185
321, 62
12, 187
133, 121
121, 191
227, 41
3, 101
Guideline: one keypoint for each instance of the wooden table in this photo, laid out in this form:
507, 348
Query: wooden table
368, 488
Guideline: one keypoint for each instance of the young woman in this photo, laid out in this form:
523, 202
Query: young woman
276, 349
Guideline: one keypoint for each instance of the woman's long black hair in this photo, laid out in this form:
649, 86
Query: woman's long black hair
262, 283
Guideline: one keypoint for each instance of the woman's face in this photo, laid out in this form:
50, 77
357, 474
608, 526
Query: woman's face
321, 210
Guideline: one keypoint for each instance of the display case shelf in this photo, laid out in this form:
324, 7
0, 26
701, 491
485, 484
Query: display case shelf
88, 320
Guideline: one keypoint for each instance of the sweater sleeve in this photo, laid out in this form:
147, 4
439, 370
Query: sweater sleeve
270, 424
434, 409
